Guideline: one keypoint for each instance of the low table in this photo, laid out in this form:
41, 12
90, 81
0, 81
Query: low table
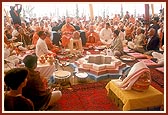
133, 100
45, 69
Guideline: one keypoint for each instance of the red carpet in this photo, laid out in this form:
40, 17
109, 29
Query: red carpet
92, 97
86, 97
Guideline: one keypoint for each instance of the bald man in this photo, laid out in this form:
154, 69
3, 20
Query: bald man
67, 32
139, 40
153, 41
92, 37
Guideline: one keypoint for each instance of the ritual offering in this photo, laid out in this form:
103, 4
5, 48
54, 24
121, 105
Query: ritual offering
50, 60
42, 59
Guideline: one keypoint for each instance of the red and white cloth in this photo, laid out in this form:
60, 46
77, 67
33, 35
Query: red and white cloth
136, 71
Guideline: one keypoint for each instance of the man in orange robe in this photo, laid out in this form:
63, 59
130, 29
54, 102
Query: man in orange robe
92, 37
132, 19
67, 32
35, 36
128, 31
49, 43
116, 20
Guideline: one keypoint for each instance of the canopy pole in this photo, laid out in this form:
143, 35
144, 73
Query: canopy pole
152, 8
146, 17
91, 11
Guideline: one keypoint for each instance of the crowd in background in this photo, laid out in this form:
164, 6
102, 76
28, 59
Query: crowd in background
26, 30
44, 33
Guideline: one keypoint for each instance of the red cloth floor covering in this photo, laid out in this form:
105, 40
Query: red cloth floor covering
85, 97
93, 96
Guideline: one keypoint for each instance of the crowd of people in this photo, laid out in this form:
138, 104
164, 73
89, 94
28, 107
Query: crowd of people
28, 91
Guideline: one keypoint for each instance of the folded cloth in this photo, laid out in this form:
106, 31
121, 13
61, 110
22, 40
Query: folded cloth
137, 55
131, 45
159, 57
138, 78
148, 62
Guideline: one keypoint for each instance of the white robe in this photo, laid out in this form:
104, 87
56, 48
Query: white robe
41, 48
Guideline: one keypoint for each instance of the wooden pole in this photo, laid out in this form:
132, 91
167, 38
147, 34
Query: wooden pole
91, 11
147, 12
152, 8
146, 17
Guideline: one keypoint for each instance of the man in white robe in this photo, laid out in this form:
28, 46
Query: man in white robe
106, 34
41, 46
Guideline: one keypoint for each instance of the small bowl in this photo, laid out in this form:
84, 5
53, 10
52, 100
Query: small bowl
81, 76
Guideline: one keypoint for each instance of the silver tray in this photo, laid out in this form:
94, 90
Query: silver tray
127, 58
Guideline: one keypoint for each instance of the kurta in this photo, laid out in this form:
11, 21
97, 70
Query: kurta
41, 48
106, 36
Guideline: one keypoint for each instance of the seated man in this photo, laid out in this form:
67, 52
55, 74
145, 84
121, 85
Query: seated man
20, 38
49, 43
138, 43
106, 34
10, 57
92, 37
128, 31
24, 37
67, 32
75, 42
41, 46
116, 46
56, 35
35, 36
153, 41
16, 79
36, 89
